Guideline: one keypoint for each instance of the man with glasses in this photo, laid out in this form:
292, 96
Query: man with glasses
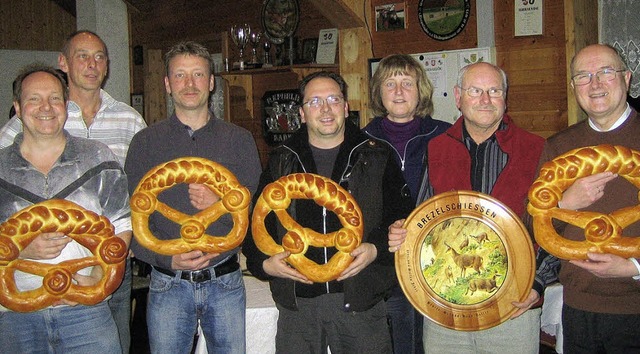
94, 114
486, 152
602, 294
347, 314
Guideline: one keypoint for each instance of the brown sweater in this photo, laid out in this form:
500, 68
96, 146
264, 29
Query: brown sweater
582, 290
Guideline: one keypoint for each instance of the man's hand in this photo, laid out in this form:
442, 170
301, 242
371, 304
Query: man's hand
364, 255
606, 265
193, 260
46, 246
201, 196
277, 267
397, 235
585, 191
83, 280
526, 304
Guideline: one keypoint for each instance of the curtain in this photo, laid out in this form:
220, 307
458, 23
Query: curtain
620, 28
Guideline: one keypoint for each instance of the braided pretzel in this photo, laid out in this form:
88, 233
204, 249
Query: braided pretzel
603, 232
277, 197
93, 231
234, 199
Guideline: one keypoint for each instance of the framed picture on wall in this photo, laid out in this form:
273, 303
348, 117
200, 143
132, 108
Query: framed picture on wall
309, 48
137, 102
443, 22
373, 65
391, 17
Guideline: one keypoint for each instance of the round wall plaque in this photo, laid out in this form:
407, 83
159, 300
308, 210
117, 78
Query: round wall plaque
443, 22
465, 259
280, 19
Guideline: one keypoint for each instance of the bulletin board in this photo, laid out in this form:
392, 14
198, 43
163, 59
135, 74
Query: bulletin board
442, 69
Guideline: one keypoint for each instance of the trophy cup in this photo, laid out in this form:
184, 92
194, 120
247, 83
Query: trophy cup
267, 54
254, 39
240, 37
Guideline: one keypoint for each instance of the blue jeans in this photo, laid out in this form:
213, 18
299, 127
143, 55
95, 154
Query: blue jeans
406, 324
175, 306
62, 329
120, 306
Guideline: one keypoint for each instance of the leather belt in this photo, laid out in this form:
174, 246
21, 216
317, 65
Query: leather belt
198, 276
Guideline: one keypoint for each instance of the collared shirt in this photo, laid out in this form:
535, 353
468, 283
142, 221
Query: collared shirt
618, 122
487, 160
87, 173
115, 124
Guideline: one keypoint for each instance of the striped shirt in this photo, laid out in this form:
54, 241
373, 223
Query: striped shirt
487, 161
115, 124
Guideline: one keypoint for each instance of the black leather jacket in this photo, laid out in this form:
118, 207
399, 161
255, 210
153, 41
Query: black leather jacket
367, 169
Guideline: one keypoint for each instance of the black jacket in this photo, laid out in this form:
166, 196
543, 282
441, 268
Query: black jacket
367, 169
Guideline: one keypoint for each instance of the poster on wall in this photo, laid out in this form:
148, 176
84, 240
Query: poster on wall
327, 44
528, 18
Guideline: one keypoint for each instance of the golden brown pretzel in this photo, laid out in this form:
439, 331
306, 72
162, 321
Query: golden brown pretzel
603, 232
277, 196
234, 199
91, 230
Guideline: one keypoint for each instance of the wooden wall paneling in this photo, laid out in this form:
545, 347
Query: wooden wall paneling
581, 29
34, 25
535, 66
354, 51
155, 100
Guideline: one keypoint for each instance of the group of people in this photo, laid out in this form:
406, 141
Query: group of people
400, 159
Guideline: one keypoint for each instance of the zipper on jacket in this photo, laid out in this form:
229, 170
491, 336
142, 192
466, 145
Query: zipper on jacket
402, 157
324, 231
46, 185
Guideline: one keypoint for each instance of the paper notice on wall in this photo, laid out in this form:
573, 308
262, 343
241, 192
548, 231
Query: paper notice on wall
327, 44
528, 18
436, 70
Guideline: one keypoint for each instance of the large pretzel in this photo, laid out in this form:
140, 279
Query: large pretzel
93, 231
234, 199
603, 232
277, 196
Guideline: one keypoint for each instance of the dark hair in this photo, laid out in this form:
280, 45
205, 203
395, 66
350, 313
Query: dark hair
188, 48
67, 43
34, 68
401, 64
326, 74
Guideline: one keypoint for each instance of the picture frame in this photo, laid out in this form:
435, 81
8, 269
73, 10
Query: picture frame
373, 65
137, 102
309, 49
391, 17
